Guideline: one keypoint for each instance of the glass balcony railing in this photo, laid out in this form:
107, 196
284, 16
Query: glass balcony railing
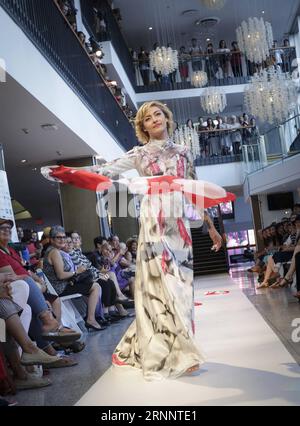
47, 28
277, 144
222, 68
2, 165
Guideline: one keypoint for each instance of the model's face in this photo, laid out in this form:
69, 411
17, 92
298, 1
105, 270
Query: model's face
155, 123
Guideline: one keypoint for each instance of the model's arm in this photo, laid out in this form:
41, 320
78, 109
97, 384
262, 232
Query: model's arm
109, 169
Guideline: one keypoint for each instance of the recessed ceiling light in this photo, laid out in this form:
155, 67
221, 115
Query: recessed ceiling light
263, 11
23, 161
150, 28
49, 127
208, 39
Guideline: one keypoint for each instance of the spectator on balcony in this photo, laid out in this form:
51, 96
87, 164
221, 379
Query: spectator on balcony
183, 64
236, 135
196, 54
157, 75
144, 66
277, 54
289, 54
226, 143
82, 39
211, 62
236, 60
213, 138
190, 124
100, 26
224, 58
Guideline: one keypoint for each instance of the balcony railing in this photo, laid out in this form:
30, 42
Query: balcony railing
50, 32
219, 146
275, 145
111, 33
222, 69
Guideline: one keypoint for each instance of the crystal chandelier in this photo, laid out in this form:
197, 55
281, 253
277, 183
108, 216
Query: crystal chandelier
213, 100
214, 4
164, 60
188, 137
199, 79
271, 96
255, 39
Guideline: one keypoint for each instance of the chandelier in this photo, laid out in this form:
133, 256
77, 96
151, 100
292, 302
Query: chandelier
213, 100
214, 4
255, 39
164, 60
199, 79
271, 96
187, 136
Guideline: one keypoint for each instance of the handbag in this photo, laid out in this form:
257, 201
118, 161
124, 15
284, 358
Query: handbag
85, 278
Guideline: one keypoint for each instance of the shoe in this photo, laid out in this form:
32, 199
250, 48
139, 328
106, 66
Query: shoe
103, 322
91, 327
128, 315
38, 358
63, 362
127, 304
112, 317
61, 336
32, 383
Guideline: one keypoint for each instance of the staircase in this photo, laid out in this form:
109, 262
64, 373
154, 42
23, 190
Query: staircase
207, 262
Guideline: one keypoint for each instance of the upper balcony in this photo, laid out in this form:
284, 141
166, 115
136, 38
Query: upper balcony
224, 67
50, 32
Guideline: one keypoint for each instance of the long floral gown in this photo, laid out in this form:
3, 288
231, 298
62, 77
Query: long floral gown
160, 341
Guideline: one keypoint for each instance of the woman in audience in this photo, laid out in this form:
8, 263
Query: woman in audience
60, 274
284, 254
211, 63
224, 58
109, 288
236, 60
34, 252
9, 312
43, 323
214, 140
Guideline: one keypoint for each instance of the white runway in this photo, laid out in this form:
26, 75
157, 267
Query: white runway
246, 362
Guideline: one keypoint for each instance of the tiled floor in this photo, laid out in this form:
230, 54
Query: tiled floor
246, 336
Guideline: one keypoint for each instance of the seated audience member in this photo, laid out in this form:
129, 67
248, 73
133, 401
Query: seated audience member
132, 249
31, 355
108, 286
60, 274
284, 254
33, 248
10, 263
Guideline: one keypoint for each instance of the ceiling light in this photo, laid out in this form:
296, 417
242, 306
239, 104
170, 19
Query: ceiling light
150, 28
49, 127
23, 161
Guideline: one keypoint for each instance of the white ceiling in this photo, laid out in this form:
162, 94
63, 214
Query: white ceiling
169, 25
20, 110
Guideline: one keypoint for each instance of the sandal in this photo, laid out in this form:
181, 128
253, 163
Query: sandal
285, 283
62, 336
262, 285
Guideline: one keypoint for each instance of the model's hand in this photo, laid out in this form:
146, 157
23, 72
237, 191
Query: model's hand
217, 240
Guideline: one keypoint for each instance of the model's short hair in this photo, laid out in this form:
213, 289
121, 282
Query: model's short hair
143, 136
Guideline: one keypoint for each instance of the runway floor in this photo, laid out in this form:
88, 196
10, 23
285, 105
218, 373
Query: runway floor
246, 362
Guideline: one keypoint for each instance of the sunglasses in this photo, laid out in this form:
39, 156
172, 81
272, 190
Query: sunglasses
5, 228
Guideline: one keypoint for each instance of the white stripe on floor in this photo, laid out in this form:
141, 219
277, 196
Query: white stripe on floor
246, 362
